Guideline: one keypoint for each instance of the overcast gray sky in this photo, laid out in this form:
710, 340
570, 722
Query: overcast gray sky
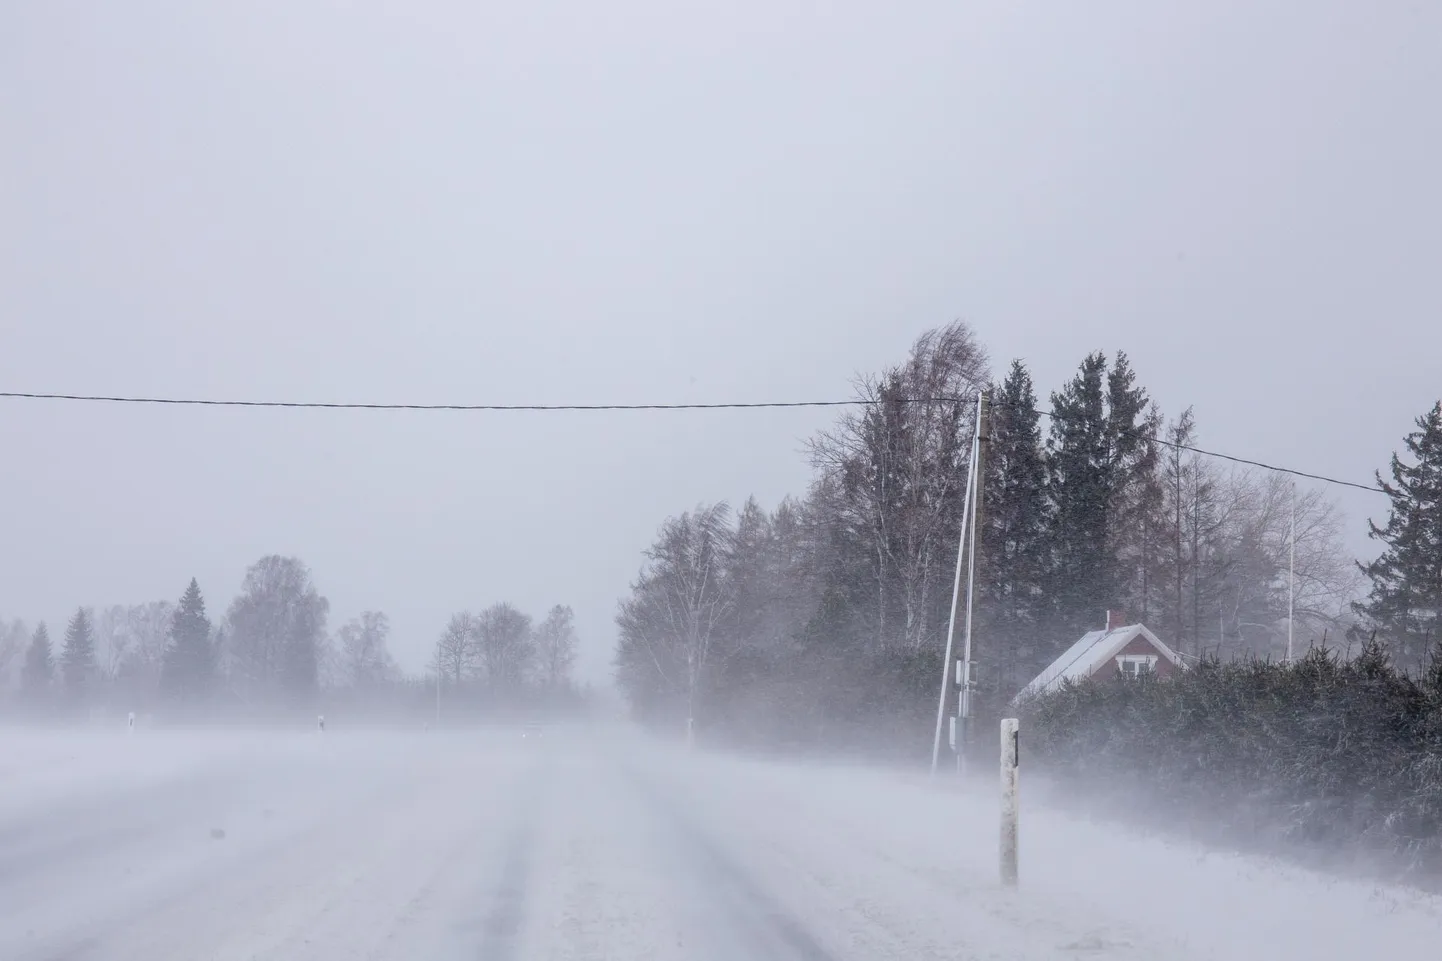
654, 201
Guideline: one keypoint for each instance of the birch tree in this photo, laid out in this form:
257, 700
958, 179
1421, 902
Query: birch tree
672, 625
555, 642
899, 466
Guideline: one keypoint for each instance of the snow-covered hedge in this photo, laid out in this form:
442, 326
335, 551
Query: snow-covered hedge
1327, 755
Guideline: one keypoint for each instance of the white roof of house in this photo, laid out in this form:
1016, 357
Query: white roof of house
1090, 654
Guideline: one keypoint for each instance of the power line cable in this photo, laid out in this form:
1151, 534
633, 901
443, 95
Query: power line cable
556, 408
1373, 488
329, 405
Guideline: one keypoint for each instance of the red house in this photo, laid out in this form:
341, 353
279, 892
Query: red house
1116, 651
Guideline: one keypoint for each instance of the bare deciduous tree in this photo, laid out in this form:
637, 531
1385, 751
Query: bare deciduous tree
503, 640
13, 639
112, 640
365, 658
456, 651
276, 631
556, 646
899, 467
1258, 533
672, 623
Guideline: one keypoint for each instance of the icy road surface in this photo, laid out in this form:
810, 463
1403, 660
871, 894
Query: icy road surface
427, 845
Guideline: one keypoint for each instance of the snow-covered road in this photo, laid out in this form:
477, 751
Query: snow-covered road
431, 845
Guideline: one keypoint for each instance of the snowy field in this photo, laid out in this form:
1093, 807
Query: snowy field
429, 845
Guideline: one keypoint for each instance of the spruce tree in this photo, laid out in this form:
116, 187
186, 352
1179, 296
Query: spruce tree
189, 663
39, 671
1013, 548
1405, 603
77, 658
1100, 454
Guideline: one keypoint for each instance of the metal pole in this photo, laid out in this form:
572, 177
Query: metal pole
1010, 810
965, 711
1291, 570
955, 596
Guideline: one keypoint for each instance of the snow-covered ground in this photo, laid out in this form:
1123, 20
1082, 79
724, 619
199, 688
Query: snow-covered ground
598, 844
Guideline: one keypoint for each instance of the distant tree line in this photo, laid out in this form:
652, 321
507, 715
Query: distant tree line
499, 658
823, 621
271, 652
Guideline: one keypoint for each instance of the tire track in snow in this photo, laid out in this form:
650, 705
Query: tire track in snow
763, 927
501, 928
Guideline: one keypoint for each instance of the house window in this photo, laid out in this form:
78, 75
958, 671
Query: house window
1137, 665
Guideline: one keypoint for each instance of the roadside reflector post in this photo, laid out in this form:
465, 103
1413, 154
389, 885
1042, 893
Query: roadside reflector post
1010, 760
130, 723
320, 723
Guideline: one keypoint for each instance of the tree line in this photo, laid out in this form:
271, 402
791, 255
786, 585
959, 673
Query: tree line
823, 620
271, 651
500, 656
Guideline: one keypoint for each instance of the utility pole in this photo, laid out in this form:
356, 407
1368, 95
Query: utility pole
979, 467
955, 599
971, 502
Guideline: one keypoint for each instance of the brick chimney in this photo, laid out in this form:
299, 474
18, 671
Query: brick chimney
1116, 619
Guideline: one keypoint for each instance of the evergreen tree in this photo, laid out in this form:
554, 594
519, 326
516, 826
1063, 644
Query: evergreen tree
1013, 546
77, 657
1405, 602
39, 671
1133, 422
189, 663
1100, 456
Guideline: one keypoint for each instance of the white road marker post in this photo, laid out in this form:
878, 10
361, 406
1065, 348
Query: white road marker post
320, 723
130, 723
1010, 760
